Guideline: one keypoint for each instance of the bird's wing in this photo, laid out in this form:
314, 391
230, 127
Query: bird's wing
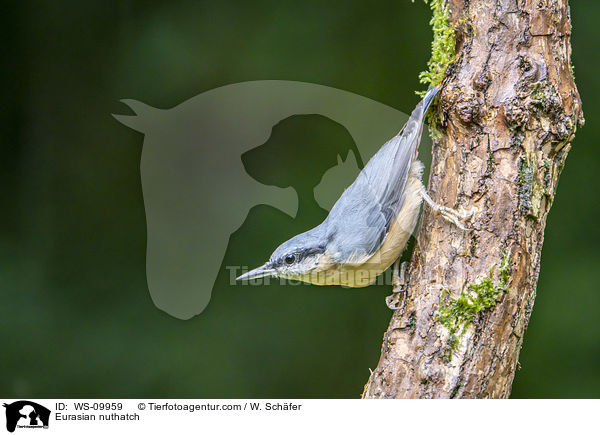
360, 220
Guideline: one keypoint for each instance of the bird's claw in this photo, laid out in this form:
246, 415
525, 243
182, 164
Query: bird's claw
450, 214
455, 216
399, 276
393, 303
399, 287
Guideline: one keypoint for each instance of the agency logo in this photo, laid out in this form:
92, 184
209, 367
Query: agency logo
25, 414
208, 161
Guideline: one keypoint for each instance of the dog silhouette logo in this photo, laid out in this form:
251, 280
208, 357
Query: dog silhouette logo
26, 414
197, 191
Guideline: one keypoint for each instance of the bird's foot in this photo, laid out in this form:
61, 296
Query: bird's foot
397, 300
450, 214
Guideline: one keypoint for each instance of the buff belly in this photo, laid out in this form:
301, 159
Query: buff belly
391, 249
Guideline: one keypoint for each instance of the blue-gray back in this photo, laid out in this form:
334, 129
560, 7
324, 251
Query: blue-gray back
359, 221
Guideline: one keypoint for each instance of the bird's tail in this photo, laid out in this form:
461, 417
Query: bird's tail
428, 98
405, 146
417, 117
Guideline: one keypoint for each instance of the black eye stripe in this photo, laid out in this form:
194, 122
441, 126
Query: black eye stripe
298, 256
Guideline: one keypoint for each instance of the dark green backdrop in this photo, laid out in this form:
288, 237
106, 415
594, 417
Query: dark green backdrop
77, 319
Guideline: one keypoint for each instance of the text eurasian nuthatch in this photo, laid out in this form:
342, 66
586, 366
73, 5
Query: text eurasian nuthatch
368, 227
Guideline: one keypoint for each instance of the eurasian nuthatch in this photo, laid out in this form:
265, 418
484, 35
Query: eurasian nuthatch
368, 227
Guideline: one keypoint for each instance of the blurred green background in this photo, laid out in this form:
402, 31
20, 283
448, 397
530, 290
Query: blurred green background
76, 313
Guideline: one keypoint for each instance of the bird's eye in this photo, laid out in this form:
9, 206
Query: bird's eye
289, 259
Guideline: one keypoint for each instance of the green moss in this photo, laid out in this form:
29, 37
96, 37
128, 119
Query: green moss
442, 46
442, 54
457, 313
572, 68
545, 98
539, 95
432, 123
412, 320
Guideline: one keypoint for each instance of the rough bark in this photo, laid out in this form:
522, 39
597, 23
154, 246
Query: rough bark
508, 111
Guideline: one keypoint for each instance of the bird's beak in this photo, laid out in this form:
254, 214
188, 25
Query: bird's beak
259, 272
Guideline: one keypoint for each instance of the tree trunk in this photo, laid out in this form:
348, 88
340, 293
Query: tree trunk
508, 111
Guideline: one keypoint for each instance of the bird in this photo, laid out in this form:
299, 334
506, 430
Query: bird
369, 226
